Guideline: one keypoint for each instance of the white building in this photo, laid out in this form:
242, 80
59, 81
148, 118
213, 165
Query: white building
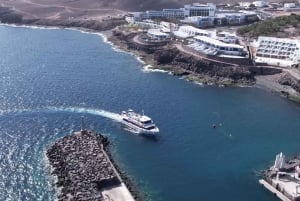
245, 4
197, 9
289, 5
156, 34
260, 4
210, 45
190, 31
226, 37
200, 21
166, 26
165, 13
278, 51
147, 24
232, 18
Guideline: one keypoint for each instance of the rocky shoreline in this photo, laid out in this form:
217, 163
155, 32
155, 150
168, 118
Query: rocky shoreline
84, 167
168, 58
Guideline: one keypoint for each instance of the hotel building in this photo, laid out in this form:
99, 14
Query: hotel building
196, 9
278, 51
211, 46
156, 34
190, 31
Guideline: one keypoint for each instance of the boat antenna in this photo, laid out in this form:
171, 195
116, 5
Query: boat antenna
83, 124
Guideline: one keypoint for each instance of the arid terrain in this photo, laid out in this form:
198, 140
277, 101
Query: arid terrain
86, 9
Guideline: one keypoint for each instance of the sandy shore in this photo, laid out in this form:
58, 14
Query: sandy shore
271, 83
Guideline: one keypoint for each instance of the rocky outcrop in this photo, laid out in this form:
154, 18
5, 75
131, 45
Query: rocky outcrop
288, 80
203, 68
8, 16
257, 70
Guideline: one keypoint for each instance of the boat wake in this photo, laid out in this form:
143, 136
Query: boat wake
103, 113
92, 111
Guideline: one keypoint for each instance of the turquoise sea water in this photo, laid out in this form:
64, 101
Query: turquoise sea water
50, 77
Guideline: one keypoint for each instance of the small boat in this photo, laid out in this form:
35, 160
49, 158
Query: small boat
140, 123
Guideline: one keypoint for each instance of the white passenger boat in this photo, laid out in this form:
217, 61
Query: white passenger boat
141, 124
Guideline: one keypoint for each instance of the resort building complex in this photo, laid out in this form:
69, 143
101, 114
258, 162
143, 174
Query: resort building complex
201, 15
190, 31
157, 34
197, 9
187, 29
213, 46
278, 51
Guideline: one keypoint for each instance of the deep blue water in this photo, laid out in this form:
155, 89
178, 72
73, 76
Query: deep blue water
44, 71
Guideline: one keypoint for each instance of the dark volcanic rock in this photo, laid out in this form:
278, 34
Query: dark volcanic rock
81, 166
165, 57
202, 67
8, 16
288, 80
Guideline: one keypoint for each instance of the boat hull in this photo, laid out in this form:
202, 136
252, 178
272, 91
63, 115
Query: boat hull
141, 131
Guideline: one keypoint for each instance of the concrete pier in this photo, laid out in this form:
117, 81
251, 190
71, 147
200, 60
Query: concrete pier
282, 179
84, 170
273, 190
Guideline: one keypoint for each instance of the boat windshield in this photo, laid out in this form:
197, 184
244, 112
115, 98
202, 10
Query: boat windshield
147, 122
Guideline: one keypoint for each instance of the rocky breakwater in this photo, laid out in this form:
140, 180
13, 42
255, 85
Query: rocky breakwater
83, 169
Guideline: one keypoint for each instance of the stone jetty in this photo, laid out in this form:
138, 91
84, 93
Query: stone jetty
84, 170
283, 178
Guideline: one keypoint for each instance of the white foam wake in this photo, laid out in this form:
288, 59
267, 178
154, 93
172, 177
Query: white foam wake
149, 68
103, 113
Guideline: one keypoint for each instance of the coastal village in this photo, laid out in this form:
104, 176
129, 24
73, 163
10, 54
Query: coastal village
209, 30
218, 36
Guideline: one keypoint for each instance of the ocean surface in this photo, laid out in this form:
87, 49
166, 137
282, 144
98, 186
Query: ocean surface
51, 77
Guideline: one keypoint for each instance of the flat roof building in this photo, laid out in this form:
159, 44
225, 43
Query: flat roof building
165, 13
197, 9
213, 45
278, 51
190, 31
260, 4
200, 21
156, 34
